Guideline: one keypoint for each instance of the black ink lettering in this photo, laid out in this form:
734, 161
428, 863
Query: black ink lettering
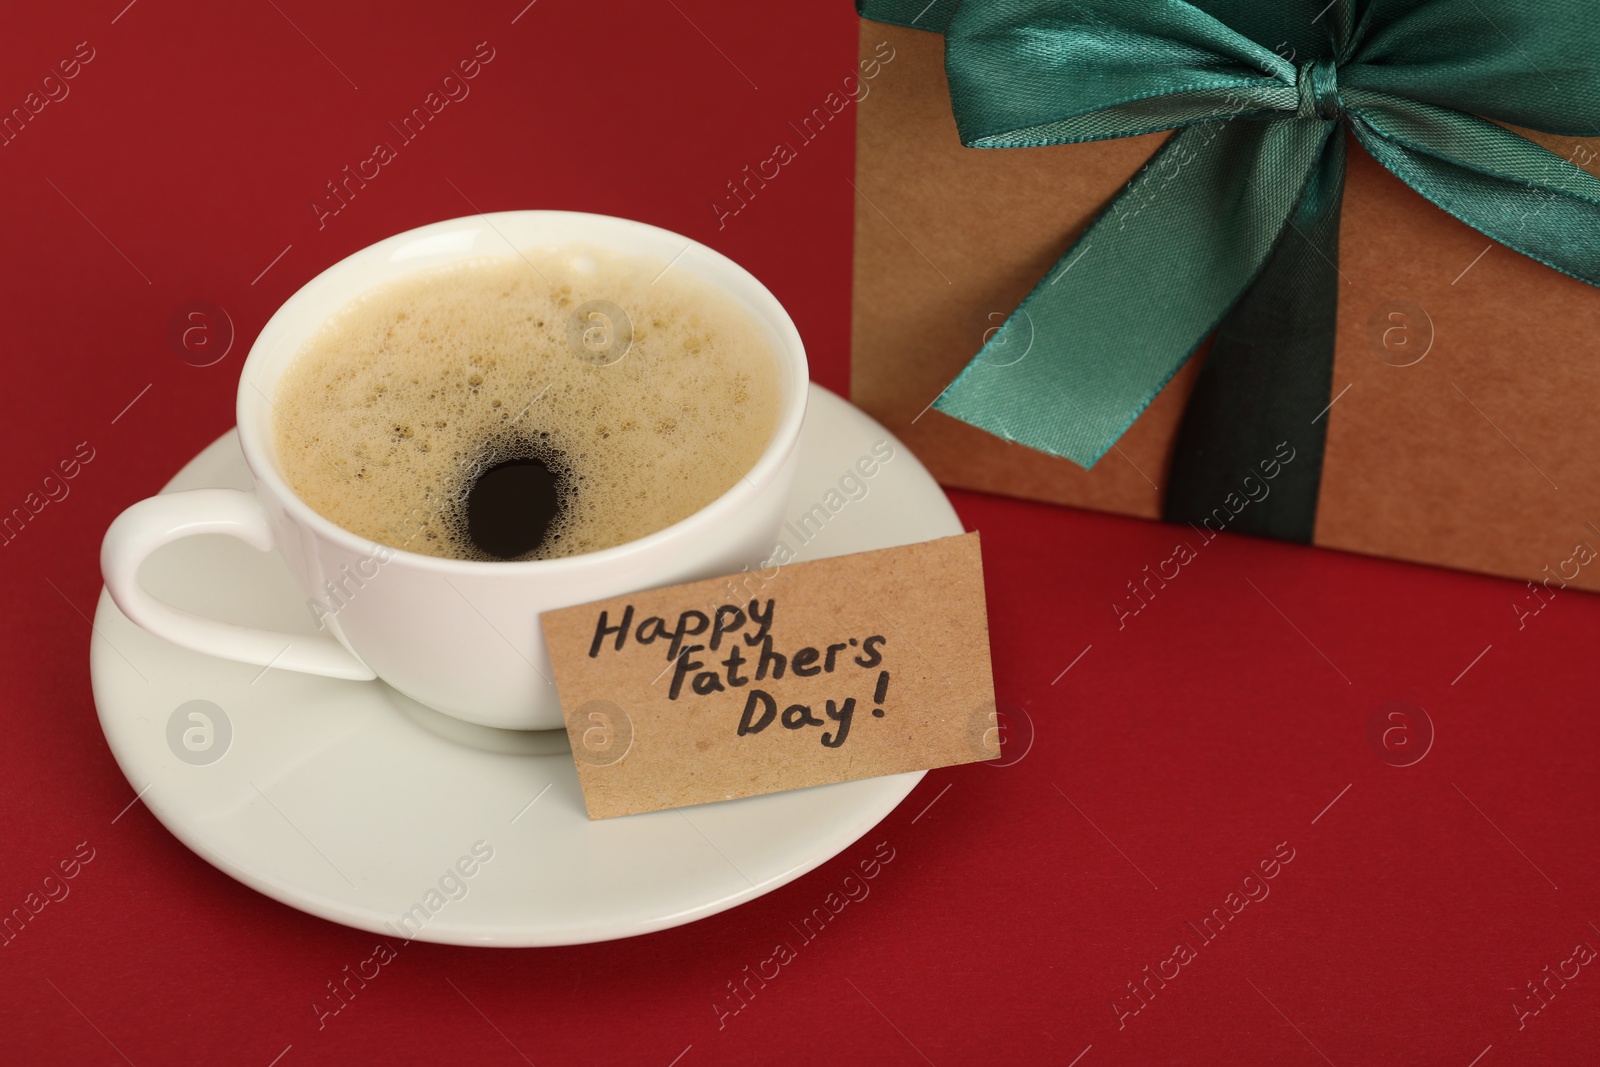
769, 709
764, 621
683, 630
870, 646
841, 715
802, 663
827, 663
681, 669
601, 630
734, 661
653, 627
791, 721
777, 661
719, 629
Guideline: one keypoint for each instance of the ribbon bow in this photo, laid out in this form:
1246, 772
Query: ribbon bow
1232, 227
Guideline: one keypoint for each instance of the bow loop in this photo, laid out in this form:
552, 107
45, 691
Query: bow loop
1036, 72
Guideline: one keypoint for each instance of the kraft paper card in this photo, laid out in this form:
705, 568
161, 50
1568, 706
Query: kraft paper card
851, 667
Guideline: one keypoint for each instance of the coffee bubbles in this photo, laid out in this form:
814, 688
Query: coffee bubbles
547, 405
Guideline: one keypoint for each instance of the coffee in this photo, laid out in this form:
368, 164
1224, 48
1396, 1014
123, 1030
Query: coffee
548, 405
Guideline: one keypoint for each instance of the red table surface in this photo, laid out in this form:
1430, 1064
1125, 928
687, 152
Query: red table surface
1227, 722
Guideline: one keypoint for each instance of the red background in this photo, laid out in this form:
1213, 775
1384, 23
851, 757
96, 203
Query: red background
1221, 721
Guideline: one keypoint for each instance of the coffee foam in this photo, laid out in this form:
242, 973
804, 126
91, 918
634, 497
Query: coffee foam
388, 414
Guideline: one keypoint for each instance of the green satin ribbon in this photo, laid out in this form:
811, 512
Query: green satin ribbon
1232, 227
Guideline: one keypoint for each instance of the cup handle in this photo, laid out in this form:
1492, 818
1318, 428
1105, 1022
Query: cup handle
149, 524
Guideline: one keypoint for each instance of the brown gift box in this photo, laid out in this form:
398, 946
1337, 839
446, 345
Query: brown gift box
1481, 455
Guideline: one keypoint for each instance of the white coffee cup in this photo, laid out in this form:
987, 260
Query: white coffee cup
460, 636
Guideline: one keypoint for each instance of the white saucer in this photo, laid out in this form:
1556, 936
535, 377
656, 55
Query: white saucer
354, 803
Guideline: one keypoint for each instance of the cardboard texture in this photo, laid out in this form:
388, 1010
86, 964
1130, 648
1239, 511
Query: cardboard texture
842, 668
1480, 455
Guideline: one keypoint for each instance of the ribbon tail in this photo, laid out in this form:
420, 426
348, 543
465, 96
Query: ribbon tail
1143, 287
1248, 455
